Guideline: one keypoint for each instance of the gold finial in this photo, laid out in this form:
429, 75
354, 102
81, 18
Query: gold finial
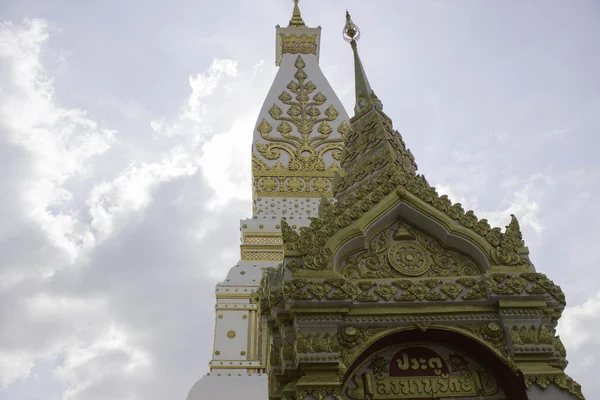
351, 33
365, 97
296, 16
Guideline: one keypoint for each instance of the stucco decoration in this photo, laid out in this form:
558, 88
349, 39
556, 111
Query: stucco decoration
401, 250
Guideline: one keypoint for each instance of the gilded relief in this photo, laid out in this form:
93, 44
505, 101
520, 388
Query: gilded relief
300, 142
401, 250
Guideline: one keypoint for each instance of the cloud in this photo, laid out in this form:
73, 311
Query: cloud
59, 141
578, 329
226, 162
103, 279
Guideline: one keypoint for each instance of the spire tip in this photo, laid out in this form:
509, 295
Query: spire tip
351, 33
365, 97
297, 20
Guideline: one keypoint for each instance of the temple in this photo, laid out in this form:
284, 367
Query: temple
356, 279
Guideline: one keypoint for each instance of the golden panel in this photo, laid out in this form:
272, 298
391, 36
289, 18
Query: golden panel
298, 44
263, 240
262, 255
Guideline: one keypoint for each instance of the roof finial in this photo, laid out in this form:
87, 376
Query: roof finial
365, 97
296, 16
351, 33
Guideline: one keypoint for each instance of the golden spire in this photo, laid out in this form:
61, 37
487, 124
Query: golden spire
365, 97
296, 16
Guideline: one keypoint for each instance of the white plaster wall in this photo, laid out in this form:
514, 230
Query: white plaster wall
296, 210
246, 274
212, 387
550, 393
230, 348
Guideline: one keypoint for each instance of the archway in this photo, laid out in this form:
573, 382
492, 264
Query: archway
427, 365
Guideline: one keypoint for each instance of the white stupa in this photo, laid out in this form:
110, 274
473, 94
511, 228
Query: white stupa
295, 152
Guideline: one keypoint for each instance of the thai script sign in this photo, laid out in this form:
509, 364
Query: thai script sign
420, 373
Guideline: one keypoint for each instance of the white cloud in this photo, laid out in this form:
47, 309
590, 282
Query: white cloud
578, 329
131, 189
226, 162
84, 235
192, 119
579, 324
59, 141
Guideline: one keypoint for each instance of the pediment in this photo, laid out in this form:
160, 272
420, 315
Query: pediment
401, 250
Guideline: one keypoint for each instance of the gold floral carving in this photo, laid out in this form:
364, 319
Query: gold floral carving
491, 332
531, 335
372, 291
559, 346
298, 44
562, 381
289, 236
231, 334
524, 283
419, 290
417, 254
321, 394
351, 337
306, 172
317, 343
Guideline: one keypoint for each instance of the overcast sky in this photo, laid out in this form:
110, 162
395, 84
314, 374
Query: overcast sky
125, 132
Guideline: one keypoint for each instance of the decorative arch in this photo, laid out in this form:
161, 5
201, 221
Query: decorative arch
508, 379
395, 248
431, 221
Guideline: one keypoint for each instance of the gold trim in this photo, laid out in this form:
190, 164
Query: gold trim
235, 366
252, 255
252, 327
229, 295
522, 304
425, 309
261, 234
327, 195
275, 248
